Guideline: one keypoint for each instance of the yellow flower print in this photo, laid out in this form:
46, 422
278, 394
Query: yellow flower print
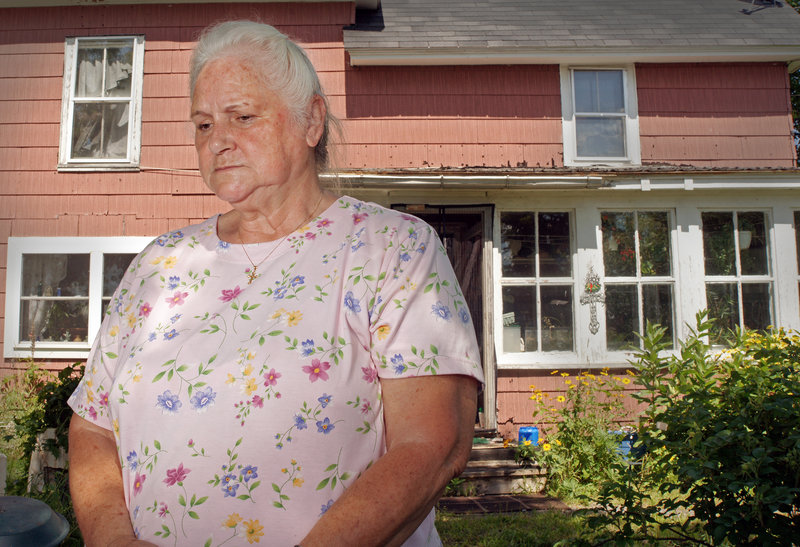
250, 386
131, 320
157, 260
90, 383
248, 370
253, 531
293, 317
114, 331
90, 396
232, 520
116, 426
561, 398
284, 470
231, 379
546, 447
170, 262
294, 462
383, 331
250, 356
278, 313
137, 378
297, 482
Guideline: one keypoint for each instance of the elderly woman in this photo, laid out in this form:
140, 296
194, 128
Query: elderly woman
301, 370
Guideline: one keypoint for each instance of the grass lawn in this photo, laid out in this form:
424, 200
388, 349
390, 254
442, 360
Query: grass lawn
528, 529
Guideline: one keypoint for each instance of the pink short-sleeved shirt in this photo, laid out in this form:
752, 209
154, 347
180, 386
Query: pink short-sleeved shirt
243, 411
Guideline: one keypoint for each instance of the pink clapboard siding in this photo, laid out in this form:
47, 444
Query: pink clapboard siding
715, 114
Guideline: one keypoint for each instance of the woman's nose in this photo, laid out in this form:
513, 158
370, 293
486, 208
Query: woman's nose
221, 139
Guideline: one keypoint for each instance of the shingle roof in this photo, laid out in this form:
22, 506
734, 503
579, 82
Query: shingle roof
575, 24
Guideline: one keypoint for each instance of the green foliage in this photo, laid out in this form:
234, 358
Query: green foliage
723, 461
507, 529
524, 454
579, 455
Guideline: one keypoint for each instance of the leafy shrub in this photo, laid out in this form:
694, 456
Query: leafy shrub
723, 442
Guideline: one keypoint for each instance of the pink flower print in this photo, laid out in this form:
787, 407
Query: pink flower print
271, 378
145, 309
104, 399
176, 299
230, 294
92, 413
176, 476
316, 371
359, 217
366, 407
370, 374
310, 235
162, 510
324, 223
138, 482
258, 401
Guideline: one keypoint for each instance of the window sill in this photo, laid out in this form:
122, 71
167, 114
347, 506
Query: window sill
98, 168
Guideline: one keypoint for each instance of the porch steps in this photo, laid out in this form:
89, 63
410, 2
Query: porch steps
492, 470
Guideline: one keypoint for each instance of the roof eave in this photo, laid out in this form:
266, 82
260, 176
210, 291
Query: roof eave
393, 56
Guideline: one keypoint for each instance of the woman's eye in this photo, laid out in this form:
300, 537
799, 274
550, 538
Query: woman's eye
245, 118
203, 126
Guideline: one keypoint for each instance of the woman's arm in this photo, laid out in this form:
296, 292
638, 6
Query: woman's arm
95, 483
429, 428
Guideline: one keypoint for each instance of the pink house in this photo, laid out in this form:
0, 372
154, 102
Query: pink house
589, 165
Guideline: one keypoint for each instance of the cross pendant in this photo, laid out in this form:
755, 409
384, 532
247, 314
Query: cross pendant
252, 275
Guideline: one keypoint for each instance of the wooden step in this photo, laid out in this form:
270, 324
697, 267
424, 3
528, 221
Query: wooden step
492, 470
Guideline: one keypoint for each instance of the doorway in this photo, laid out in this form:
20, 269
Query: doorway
465, 231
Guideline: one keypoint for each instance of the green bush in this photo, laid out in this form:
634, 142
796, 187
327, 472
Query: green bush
721, 429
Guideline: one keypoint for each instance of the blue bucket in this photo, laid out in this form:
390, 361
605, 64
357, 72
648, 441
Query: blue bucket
529, 434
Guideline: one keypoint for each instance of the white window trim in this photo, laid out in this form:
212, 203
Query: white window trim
95, 247
632, 144
135, 121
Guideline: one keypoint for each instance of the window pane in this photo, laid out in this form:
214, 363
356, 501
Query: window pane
599, 91
753, 243
797, 237
756, 301
54, 320
600, 137
555, 256
519, 319
619, 249
723, 306
622, 316
114, 266
718, 247
518, 244
658, 307
100, 130
55, 275
556, 318
654, 243
104, 71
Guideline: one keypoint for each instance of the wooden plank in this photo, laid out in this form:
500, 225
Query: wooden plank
452, 131
715, 125
710, 75
29, 134
769, 101
33, 88
100, 225
30, 111
20, 65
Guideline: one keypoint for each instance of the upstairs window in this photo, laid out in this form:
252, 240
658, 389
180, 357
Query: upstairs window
102, 103
738, 276
600, 116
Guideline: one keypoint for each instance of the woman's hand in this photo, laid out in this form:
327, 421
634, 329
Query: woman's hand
429, 428
95, 481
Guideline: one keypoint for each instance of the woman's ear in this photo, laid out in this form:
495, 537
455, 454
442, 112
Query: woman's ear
316, 121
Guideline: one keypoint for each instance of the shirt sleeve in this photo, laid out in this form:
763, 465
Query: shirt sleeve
422, 325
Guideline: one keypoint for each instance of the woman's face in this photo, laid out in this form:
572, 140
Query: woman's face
247, 142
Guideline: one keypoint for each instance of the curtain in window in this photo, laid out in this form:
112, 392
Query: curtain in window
41, 273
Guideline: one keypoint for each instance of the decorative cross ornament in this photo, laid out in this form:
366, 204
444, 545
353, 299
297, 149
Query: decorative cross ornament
592, 295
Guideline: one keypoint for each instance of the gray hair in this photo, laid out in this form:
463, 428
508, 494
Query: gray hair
284, 66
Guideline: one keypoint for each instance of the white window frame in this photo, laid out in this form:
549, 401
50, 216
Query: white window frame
543, 359
131, 162
96, 248
633, 149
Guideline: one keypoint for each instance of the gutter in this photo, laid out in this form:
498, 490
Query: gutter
472, 182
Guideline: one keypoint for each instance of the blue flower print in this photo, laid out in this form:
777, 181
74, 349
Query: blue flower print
161, 241
421, 249
170, 335
175, 318
174, 282
308, 347
351, 303
299, 423
168, 402
249, 472
223, 246
177, 234
230, 490
297, 280
229, 478
357, 246
463, 314
132, 460
405, 257
413, 234
203, 398
151, 337
399, 364
325, 399
441, 311
325, 426
325, 507
280, 292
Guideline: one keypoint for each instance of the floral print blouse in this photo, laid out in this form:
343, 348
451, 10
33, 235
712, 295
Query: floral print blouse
242, 410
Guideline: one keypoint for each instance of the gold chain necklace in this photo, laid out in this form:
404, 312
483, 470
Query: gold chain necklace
252, 274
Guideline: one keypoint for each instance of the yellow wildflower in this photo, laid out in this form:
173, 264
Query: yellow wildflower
557, 442
170, 262
554, 372
561, 398
294, 317
297, 482
527, 443
568, 382
253, 531
506, 442
383, 331
546, 447
565, 374
626, 381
